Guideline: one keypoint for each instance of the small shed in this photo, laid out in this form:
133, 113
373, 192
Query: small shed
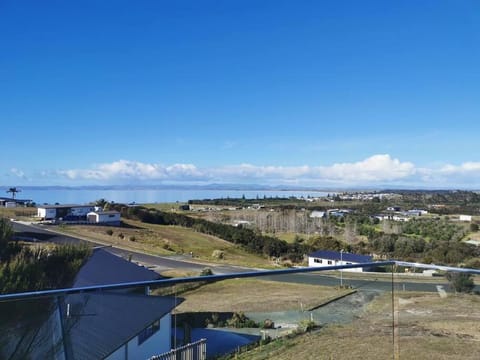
104, 217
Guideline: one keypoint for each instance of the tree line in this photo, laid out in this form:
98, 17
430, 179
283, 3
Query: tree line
252, 240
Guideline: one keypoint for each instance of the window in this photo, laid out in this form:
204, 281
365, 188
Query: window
317, 260
329, 262
148, 332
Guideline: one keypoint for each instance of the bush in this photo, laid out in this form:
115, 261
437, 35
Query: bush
218, 254
121, 236
206, 272
240, 320
268, 324
109, 232
306, 325
461, 282
132, 238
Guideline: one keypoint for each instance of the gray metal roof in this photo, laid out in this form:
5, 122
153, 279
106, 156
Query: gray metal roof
65, 206
105, 212
104, 268
99, 323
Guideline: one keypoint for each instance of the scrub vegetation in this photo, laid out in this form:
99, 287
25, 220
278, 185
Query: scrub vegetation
28, 268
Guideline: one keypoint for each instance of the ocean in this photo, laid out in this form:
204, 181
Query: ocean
42, 196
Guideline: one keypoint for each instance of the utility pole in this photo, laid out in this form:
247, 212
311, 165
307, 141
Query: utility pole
341, 270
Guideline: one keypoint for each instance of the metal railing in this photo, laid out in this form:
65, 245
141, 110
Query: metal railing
194, 351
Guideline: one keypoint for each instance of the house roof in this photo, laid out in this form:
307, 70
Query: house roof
104, 268
99, 323
110, 212
336, 255
66, 206
7, 199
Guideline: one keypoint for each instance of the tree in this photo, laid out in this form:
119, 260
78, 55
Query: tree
461, 282
14, 191
6, 233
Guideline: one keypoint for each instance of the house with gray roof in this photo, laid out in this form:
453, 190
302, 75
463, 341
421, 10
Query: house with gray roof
324, 258
91, 325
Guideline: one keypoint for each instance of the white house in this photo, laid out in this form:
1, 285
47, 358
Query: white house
323, 258
467, 218
64, 212
104, 217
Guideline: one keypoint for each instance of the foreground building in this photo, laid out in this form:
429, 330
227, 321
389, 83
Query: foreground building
114, 325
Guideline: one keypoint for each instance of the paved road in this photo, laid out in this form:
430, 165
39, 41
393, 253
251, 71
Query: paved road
161, 263
40, 233
373, 284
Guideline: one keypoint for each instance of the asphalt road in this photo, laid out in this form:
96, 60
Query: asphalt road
46, 233
160, 263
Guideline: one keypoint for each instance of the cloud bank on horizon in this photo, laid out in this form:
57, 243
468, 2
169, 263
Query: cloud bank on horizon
376, 170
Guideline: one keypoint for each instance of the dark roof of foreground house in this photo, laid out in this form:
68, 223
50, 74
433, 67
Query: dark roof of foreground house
336, 255
104, 268
100, 323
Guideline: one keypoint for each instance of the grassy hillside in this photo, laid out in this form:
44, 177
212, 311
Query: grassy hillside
168, 240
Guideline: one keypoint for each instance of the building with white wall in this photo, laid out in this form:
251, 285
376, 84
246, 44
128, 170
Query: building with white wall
324, 258
64, 212
104, 217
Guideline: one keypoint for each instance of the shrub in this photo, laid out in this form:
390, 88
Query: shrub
167, 246
121, 236
268, 324
206, 272
132, 238
306, 325
461, 282
218, 254
240, 320
109, 232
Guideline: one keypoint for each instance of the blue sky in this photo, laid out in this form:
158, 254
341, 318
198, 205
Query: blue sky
310, 93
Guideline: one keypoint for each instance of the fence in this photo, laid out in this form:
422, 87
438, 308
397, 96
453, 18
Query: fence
194, 351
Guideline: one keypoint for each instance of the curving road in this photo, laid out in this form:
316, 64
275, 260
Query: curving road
29, 232
39, 233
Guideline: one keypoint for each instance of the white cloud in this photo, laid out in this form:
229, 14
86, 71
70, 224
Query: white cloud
465, 168
130, 170
18, 173
377, 168
373, 169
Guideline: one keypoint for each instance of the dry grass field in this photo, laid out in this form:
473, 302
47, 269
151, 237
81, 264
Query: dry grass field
429, 327
253, 295
168, 240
